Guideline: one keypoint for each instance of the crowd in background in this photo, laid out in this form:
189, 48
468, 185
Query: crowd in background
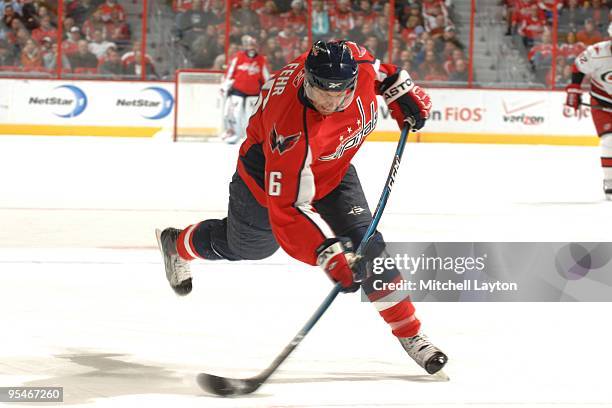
96, 39
424, 37
580, 23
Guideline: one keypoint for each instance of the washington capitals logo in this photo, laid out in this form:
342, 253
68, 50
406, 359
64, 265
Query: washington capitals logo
282, 143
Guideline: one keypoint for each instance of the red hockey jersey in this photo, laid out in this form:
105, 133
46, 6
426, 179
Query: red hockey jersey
248, 73
294, 156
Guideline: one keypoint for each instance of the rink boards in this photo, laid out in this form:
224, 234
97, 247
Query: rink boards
163, 109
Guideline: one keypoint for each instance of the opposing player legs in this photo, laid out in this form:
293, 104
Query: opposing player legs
603, 123
346, 211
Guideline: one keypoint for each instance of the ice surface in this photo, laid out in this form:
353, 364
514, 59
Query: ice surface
85, 304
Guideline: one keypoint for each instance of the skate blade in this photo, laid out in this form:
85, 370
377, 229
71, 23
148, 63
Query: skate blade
441, 375
158, 236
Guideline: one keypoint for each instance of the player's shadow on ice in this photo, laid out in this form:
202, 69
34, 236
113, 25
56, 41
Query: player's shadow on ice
86, 376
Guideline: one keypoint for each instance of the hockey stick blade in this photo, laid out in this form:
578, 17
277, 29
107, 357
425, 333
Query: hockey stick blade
227, 387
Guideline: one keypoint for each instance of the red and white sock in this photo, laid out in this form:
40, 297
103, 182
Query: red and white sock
184, 244
400, 316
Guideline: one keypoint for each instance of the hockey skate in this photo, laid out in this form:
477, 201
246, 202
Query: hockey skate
177, 269
425, 354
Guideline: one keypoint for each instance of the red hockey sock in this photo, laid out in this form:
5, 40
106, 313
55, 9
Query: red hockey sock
184, 244
401, 318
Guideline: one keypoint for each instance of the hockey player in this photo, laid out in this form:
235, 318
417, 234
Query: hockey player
295, 185
596, 61
245, 75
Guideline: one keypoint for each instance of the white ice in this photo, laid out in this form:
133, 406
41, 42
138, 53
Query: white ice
85, 304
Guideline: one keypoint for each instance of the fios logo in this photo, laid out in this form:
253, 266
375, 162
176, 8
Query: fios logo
458, 114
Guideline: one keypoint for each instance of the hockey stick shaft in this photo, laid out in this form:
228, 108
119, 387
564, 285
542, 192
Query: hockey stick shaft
597, 107
337, 288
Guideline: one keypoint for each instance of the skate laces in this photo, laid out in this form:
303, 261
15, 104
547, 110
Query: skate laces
419, 348
181, 269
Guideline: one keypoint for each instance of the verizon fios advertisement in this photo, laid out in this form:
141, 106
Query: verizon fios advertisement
501, 112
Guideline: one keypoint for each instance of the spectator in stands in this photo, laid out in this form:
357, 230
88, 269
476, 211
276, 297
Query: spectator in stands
202, 56
192, 23
93, 23
540, 56
108, 7
531, 25
45, 30
29, 14
112, 65
21, 37
118, 31
68, 24
342, 18
31, 57
268, 17
7, 55
381, 28
563, 73
71, 45
277, 60
599, 14
14, 4
571, 48
320, 21
431, 69
571, 17
83, 58
588, 35
296, 17
80, 10
50, 59
289, 42
435, 19
377, 46
244, 16
460, 72
365, 10
428, 45
217, 11
10, 15
98, 46
134, 66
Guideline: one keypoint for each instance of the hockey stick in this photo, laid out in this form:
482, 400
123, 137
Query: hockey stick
597, 107
227, 387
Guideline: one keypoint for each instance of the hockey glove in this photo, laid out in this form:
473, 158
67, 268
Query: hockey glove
336, 257
574, 96
407, 101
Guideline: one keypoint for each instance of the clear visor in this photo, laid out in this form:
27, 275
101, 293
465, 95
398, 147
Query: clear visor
328, 102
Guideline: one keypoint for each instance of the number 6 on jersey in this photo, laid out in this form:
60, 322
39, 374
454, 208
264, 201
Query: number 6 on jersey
274, 187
